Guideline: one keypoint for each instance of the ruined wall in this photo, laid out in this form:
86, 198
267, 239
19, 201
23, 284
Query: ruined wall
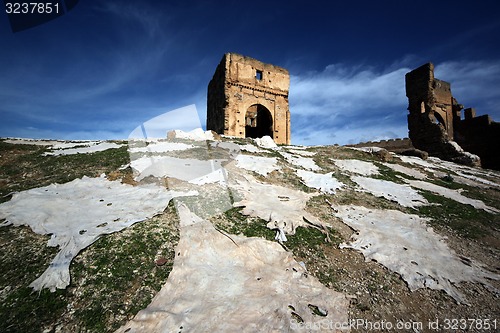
393, 145
248, 98
481, 136
430, 119
443, 105
216, 100
435, 124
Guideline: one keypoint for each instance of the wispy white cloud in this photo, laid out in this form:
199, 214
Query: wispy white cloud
145, 16
347, 134
343, 89
472, 81
84, 86
124, 52
344, 104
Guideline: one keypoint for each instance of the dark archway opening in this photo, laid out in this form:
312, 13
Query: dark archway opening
258, 122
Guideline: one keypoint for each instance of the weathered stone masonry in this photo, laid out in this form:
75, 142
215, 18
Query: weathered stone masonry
248, 98
436, 126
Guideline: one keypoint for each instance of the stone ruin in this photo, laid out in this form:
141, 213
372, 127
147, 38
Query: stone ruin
248, 98
435, 123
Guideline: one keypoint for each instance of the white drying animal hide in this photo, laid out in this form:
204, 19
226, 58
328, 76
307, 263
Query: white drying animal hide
401, 193
282, 207
356, 166
230, 283
326, 183
452, 194
259, 164
77, 213
404, 244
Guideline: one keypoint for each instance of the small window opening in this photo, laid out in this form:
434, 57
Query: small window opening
258, 75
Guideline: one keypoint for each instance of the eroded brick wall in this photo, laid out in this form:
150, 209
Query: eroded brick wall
434, 122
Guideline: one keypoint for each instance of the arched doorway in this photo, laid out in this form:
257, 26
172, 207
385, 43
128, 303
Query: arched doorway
258, 122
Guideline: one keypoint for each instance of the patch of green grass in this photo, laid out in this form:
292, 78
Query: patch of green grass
234, 214
466, 220
119, 277
489, 196
289, 177
348, 153
271, 153
110, 281
350, 197
324, 157
347, 197
305, 240
389, 174
237, 223
25, 167
23, 258
27, 311
240, 141
447, 182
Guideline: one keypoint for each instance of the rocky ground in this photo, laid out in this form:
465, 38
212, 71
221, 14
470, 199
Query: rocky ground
119, 274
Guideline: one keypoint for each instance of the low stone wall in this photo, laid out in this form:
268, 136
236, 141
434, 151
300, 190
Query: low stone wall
394, 145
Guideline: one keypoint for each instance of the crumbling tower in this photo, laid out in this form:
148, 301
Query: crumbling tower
435, 123
433, 115
248, 98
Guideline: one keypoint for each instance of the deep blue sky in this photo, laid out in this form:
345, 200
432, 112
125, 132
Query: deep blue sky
107, 66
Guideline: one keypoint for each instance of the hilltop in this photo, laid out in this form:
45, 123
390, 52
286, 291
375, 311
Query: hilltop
228, 233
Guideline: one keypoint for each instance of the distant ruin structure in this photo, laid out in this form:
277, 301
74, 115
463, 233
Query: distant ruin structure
248, 98
436, 125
